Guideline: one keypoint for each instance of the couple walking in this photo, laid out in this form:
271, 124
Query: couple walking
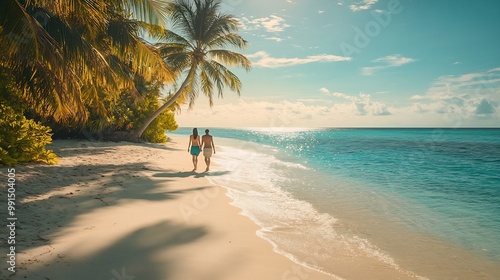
205, 144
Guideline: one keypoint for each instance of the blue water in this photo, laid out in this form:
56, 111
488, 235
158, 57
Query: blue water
442, 183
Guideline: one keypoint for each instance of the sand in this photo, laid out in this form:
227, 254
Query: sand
134, 211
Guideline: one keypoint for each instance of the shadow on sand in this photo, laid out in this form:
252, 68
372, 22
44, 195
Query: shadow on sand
193, 173
42, 209
143, 254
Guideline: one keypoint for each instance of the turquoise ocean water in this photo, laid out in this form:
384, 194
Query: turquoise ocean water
422, 201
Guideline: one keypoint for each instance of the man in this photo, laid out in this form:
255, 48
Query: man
207, 146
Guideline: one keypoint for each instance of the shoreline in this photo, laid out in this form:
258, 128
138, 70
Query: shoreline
294, 227
120, 209
425, 256
117, 209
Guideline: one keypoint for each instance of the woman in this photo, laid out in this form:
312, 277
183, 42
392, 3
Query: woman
194, 143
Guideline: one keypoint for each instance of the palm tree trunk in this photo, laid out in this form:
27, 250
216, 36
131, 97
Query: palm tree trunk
137, 133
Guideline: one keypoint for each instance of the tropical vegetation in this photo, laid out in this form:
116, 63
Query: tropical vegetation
98, 67
199, 48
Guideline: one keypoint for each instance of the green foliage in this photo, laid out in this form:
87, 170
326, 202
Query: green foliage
23, 140
155, 133
133, 112
66, 55
204, 41
131, 109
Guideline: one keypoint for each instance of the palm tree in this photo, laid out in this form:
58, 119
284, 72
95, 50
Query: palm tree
199, 50
66, 55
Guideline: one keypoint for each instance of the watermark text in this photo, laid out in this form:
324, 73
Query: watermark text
11, 219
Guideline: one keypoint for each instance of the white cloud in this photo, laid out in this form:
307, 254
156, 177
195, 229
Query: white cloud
354, 111
259, 113
379, 109
314, 100
417, 97
292, 76
458, 98
480, 84
364, 105
363, 5
471, 99
263, 59
277, 39
302, 114
324, 90
387, 62
271, 24
368, 71
394, 60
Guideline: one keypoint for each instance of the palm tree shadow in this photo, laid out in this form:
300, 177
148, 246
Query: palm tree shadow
136, 255
41, 200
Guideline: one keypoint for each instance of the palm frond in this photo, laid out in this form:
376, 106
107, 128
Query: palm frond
206, 82
149, 63
193, 90
93, 12
229, 39
48, 94
205, 33
175, 56
23, 34
182, 16
176, 105
119, 31
43, 74
151, 11
231, 58
227, 77
220, 25
205, 16
120, 67
85, 58
143, 58
168, 36
153, 31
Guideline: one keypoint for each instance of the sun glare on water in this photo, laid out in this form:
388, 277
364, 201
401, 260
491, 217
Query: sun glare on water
281, 129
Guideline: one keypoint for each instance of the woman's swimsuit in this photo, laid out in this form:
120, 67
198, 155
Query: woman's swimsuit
195, 150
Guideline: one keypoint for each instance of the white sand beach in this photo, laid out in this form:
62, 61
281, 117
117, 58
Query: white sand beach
136, 211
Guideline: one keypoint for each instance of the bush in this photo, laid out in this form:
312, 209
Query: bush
23, 140
155, 133
123, 114
128, 112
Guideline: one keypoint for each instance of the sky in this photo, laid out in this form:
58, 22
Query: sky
361, 63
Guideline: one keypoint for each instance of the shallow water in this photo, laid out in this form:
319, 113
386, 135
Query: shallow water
402, 202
